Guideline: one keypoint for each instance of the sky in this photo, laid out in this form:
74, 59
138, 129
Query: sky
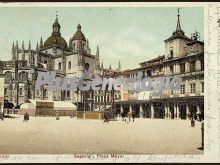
128, 35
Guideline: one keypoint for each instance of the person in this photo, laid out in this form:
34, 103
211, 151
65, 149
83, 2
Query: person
192, 120
133, 115
129, 116
122, 115
26, 117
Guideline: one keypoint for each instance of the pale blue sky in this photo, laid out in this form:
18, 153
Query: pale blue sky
131, 35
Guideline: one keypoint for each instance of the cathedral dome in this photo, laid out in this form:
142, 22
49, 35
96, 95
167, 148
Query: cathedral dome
79, 35
57, 40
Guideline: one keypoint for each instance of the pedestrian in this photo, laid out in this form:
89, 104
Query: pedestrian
129, 116
192, 120
133, 115
26, 117
122, 115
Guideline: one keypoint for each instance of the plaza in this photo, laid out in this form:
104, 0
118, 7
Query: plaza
46, 135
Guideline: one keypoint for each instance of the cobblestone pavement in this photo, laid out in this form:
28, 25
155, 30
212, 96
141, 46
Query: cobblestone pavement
46, 135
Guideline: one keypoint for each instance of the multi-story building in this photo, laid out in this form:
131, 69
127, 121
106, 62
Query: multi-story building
52, 55
183, 57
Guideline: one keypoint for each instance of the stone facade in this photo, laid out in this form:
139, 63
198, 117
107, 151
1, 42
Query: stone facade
52, 55
183, 57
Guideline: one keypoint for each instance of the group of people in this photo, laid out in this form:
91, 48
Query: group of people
129, 115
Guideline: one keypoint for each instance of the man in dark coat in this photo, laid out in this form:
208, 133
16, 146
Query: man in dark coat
26, 117
133, 115
192, 119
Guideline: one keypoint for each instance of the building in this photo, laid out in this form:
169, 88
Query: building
52, 55
183, 57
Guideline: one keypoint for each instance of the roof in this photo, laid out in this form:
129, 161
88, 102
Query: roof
58, 105
154, 59
55, 40
79, 35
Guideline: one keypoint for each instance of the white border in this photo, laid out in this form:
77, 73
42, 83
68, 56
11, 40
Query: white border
212, 113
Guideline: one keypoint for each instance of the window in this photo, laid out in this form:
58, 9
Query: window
68, 94
38, 92
45, 93
202, 64
69, 65
6, 91
182, 68
107, 98
171, 92
192, 66
148, 72
202, 87
171, 53
182, 89
192, 88
171, 69
59, 66
20, 91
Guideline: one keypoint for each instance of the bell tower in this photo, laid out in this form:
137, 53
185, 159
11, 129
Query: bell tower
175, 46
56, 26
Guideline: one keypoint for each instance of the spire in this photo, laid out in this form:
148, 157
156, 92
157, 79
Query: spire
29, 45
119, 65
102, 65
13, 51
56, 26
37, 48
178, 27
13, 47
16, 45
97, 52
41, 42
87, 43
110, 67
56, 20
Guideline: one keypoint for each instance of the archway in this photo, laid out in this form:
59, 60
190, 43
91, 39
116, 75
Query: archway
146, 110
136, 110
158, 110
182, 109
171, 107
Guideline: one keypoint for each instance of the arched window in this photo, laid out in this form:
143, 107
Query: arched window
69, 65
23, 75
8, 75
45, 92
59, 66
68, 94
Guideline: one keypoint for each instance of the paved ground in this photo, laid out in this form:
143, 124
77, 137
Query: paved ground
45, 135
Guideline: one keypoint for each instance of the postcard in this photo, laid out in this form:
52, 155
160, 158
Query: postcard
109, 82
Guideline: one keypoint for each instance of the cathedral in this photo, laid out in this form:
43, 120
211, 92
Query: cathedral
55, 54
